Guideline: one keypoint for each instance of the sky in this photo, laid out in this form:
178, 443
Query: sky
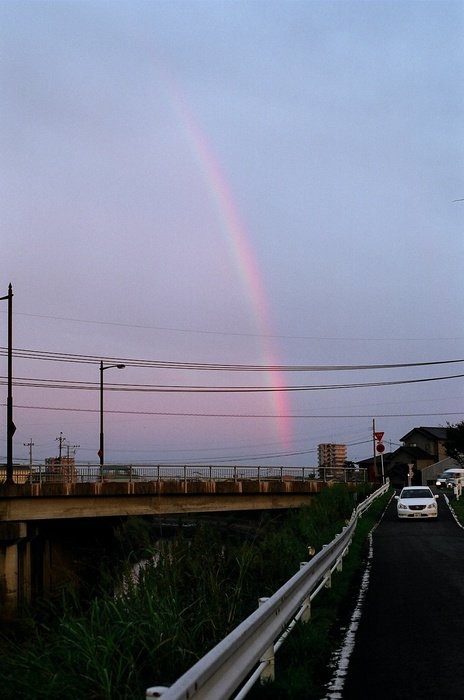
248, 196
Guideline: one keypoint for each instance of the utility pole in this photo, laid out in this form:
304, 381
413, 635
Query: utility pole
10, 426
69, 470
69, 448
61, 441
30, 445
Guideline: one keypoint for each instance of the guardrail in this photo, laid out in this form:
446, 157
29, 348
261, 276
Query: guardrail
250, 648
91, 473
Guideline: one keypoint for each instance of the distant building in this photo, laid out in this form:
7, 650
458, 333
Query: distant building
61, 466
331, 456
20, 474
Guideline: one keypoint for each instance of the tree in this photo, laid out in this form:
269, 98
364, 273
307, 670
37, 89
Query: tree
454, 443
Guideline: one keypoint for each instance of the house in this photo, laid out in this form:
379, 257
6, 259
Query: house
421, 448
374, 466
431, 440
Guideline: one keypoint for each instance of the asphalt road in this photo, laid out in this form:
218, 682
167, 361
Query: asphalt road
410, 639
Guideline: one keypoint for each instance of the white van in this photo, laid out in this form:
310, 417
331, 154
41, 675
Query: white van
450, 478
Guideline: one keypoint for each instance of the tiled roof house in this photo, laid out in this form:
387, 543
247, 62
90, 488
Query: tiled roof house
421, 447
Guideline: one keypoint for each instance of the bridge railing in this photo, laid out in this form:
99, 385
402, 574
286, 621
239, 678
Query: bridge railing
247, 653
91, 473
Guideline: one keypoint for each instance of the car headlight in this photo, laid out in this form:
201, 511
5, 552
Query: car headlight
432, 506
402, 506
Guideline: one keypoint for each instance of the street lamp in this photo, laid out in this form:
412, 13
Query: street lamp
101, 452
10, 426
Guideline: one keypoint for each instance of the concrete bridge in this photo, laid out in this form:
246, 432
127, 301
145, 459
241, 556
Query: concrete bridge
42, 518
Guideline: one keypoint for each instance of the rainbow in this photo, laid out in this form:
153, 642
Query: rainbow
241, 252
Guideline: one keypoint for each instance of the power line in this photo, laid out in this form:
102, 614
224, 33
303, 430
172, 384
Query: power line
238, 415
197, 331
50, 356
195, 389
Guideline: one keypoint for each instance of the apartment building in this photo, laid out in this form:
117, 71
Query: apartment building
331, 455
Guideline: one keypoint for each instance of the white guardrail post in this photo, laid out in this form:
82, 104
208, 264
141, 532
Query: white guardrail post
253, 643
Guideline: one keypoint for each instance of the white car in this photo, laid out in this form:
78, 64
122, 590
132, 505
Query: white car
417, 502
450, 478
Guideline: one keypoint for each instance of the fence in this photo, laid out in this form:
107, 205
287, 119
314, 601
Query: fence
89, 473
250, 647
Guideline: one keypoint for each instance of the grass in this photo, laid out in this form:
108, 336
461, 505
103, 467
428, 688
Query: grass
458, 507
192, 592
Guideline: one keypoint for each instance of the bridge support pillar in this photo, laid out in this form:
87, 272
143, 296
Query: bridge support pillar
38, 559
15, 568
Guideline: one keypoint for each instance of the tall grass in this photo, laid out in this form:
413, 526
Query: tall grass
190, 594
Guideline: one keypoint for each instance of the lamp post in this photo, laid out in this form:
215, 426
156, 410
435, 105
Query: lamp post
101, 452
10, 426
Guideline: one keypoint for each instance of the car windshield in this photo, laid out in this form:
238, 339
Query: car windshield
416, 493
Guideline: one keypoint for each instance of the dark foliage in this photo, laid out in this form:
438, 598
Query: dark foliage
454, 443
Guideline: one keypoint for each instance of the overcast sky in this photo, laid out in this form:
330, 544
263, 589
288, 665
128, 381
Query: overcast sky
266, 183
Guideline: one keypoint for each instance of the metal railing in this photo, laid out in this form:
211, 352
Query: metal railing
91, 473
250, 648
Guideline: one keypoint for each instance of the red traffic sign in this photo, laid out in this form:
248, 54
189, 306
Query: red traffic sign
379, 436
380, 447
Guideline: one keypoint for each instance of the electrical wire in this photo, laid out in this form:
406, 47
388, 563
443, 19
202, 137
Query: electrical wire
236, 415
50, 356
193, 389
199, 331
